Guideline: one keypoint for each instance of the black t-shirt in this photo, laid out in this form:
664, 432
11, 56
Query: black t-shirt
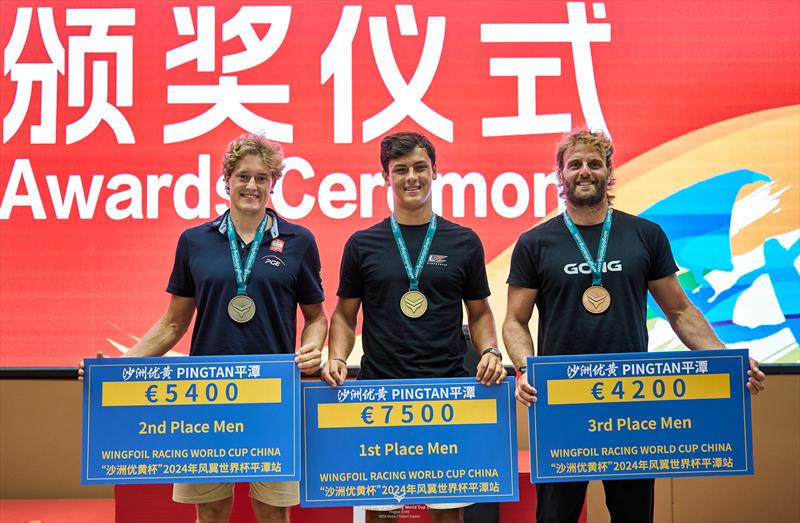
547, 258
286, 272
432, 345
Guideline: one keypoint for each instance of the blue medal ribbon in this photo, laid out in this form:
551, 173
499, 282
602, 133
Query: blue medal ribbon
595, 266
243, 274
413, 273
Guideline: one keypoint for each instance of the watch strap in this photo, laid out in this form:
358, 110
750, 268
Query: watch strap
492, 350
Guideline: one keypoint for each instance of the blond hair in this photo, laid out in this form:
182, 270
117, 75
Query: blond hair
269, 152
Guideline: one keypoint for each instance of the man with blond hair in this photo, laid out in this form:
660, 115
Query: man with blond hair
240, 313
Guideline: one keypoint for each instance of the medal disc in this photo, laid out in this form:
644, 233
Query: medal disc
413, 304
241, 308
596, 299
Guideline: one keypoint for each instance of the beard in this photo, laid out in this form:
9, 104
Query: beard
587, 200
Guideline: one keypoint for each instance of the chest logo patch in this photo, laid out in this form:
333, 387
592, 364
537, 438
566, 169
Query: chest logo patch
274, 261
583, 268
437, 259
276, 245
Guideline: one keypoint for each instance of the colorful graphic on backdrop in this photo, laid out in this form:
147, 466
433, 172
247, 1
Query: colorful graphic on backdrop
735, 234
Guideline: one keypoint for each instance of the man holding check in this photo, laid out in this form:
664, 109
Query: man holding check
411, 272
598, 310
245, 273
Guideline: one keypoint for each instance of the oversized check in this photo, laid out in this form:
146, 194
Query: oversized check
387, 442
640, 415
205, 418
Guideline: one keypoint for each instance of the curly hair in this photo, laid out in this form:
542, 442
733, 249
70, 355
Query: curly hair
270, 153
595, 139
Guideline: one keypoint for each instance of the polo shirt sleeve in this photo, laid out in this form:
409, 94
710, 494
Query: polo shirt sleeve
522, 272
309, 280
350, 282
181, 282
476, 286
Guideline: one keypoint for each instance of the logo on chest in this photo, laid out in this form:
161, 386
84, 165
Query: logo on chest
439, 260
583, 268
276, 245
274, 261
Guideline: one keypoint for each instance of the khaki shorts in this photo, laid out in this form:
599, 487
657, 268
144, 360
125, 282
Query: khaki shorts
435, 506
274, 493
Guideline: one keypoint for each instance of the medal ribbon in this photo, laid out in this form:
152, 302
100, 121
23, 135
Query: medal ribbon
595, 266
413, 273
242, 275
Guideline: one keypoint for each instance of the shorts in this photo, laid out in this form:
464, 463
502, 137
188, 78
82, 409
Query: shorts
273, 493
435, 506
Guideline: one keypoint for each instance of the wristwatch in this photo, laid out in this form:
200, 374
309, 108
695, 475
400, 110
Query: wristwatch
492, 350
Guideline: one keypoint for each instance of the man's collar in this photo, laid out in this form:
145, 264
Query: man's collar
221, 224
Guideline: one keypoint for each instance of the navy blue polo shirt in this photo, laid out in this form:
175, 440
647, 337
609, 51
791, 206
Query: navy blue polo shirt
286, 273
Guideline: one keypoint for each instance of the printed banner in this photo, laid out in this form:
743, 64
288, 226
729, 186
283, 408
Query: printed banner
115, 116
640, 415
392, 442
209, 418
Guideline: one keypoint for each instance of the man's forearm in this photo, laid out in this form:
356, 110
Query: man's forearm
694, 330
158, 340
518, 341
314, 332
482, 332
342, 339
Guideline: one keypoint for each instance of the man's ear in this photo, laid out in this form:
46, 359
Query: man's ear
386, 179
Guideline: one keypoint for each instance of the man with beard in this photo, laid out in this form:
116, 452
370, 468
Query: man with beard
595, 304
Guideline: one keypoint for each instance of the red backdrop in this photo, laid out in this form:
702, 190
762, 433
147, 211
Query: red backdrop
70, 281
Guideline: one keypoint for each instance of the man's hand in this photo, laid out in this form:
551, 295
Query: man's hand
756, 378
334, 372
308, 358
490, 369
525, 393
80, 365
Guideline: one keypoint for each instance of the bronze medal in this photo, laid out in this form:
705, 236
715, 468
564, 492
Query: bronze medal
413, 304
596, 299
241, 308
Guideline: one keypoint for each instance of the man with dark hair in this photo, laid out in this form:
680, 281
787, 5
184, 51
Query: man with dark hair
600, 312
411, 272
244, 308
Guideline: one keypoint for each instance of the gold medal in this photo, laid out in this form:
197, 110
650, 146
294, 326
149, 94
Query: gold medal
596, 299
413, 304
241, 308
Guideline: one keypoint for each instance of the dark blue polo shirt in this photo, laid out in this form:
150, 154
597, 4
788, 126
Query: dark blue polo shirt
286, 273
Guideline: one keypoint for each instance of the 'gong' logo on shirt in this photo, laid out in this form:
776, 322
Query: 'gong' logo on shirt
583, 268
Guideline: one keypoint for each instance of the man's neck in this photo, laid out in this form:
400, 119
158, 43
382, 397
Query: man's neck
246, 224
413, 217
583, 215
